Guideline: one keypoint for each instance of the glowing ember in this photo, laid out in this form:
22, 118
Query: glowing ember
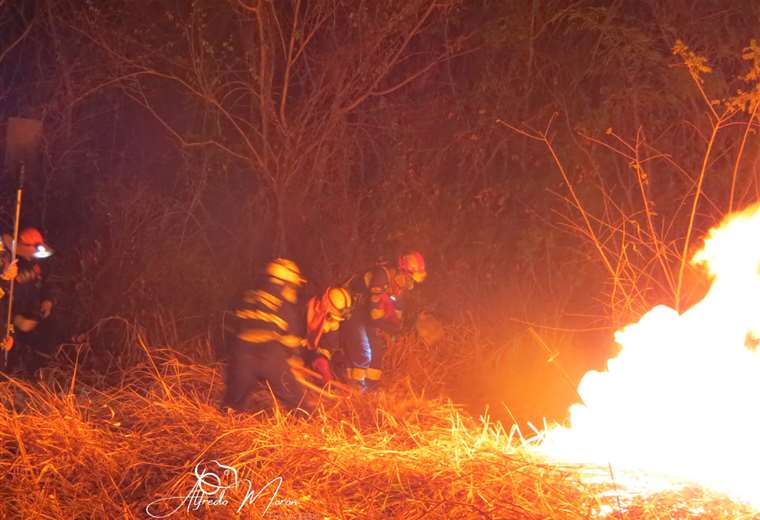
683, 396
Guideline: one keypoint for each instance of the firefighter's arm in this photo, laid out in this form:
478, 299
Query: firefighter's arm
384, 313
10, 271
321, 365
46, 307
328, 343
319, 362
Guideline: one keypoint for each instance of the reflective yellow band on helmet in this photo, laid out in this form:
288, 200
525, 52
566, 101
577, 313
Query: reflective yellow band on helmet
268, 317
374, 374
356, 374
325, 352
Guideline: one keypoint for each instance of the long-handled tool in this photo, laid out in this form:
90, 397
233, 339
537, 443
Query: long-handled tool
9, 319
306, 376
22, 146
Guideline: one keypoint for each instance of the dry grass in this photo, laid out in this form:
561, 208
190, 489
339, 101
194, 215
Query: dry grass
103, 454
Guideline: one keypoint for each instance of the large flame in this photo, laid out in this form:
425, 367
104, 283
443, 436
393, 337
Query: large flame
682, 398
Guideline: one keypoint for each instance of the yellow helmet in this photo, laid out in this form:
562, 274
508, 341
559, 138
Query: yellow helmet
337, 303
285, 270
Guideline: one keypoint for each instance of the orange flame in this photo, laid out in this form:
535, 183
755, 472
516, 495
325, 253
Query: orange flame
682, 398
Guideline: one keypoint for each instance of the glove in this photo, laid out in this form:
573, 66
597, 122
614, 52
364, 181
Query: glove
7, 343
10, 271
392, 315
322, 366
46, 307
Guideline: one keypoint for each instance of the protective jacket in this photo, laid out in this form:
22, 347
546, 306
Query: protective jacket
379, 293
31, 287
270, 313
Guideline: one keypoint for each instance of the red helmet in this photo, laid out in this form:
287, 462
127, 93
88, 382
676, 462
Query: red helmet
32, 237
413, 263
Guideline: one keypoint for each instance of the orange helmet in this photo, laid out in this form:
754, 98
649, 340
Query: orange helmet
413, 263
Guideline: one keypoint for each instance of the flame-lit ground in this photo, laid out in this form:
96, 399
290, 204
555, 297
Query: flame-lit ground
681, 402
96, 454
110, 454
669, 431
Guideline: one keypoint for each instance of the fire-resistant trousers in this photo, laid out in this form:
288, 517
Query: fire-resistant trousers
251, 364
364, 349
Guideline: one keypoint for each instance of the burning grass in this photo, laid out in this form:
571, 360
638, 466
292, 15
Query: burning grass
75, 451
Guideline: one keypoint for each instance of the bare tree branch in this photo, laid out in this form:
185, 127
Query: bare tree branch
17, 41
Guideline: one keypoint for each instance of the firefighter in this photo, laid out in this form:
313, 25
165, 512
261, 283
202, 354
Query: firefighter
33, 300
379, 295
10, 270
324, 315
268, 339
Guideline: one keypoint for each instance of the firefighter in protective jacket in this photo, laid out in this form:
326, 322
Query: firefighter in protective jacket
379, 295
33, 301
324, 314
268, 341
9, 272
